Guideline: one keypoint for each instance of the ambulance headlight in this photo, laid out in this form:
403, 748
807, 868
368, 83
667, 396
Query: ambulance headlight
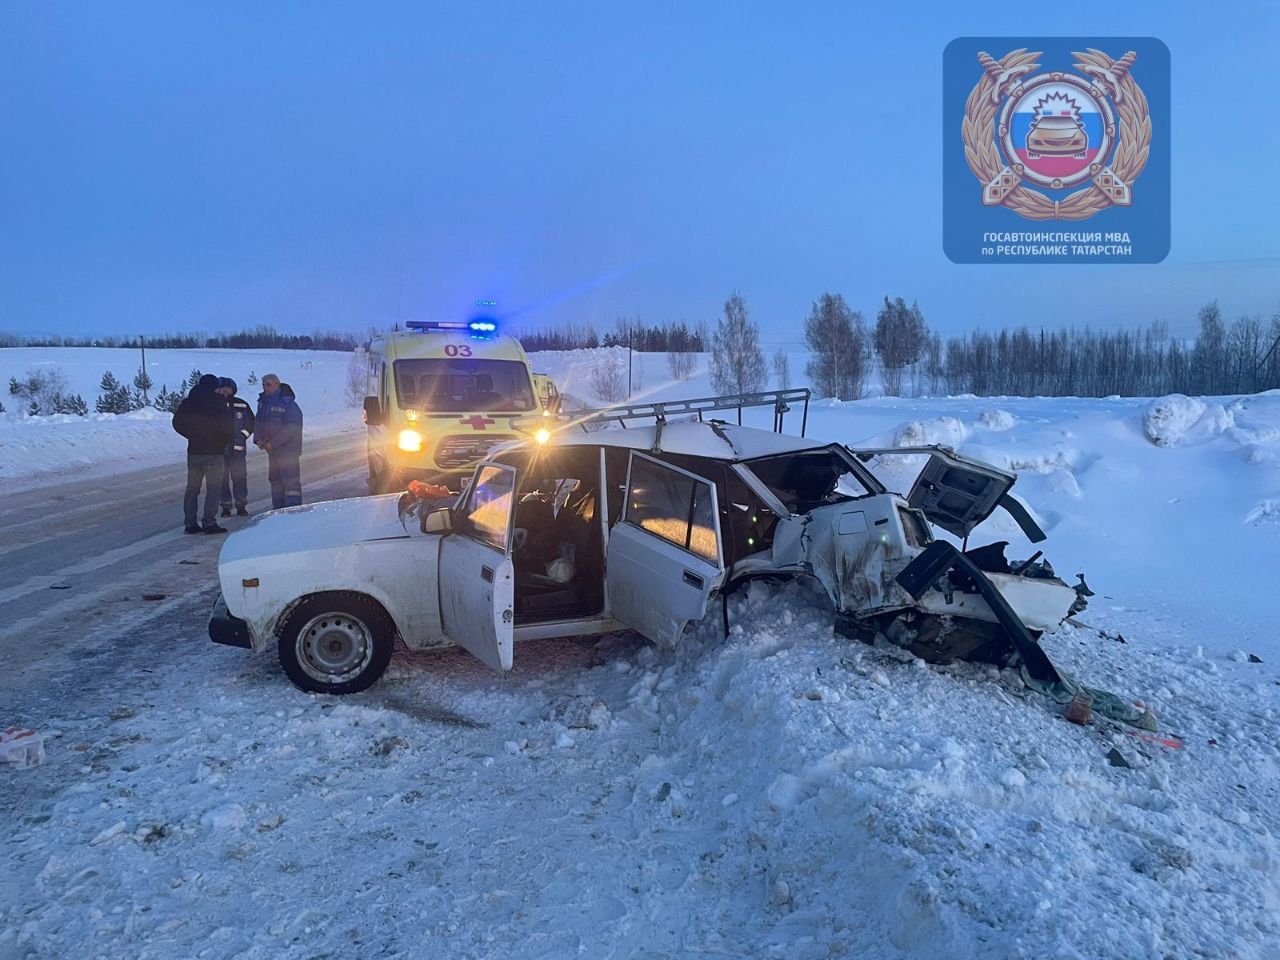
410, 441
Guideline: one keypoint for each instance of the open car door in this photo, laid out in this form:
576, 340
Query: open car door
958, 493
477, 581
665, 554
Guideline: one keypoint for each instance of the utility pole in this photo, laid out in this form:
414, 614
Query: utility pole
142, 342
630, 328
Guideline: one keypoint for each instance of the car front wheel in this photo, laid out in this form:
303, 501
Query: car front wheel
336, 643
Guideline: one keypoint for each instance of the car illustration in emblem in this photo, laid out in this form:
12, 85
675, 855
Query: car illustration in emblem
1056, 137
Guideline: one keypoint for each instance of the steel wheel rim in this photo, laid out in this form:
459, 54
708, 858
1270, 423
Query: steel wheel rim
334, 647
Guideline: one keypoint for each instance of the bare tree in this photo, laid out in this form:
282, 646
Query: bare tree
357, 379
1208, 359
737, 363
900, 336
609, 377
782, 370
681, 364
1244, 351
933, 366
837, 339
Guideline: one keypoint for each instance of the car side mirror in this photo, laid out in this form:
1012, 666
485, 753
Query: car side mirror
372, 411
439, 520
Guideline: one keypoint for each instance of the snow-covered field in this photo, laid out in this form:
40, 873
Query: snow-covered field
39, 449
782, 792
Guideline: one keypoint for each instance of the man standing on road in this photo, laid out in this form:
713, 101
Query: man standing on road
205, 420
235, 476
279, 432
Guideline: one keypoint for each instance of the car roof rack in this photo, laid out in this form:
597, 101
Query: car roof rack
659, 411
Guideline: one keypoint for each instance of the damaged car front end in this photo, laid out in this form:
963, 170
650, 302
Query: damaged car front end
874, 553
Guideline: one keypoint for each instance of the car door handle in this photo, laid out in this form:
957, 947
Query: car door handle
693, 580
486, 574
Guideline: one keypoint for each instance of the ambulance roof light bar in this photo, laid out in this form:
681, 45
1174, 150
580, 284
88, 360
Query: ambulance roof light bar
480, 328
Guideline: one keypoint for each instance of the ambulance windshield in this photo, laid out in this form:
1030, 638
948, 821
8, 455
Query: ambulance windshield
460, 385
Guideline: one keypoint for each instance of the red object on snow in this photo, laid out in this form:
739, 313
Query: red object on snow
427, 491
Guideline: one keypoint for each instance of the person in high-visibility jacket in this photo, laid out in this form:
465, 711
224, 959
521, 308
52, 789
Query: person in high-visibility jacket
235, 476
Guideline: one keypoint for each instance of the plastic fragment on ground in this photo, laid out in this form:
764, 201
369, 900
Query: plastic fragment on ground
21, 748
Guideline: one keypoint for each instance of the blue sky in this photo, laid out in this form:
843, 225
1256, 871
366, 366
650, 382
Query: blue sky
210, 166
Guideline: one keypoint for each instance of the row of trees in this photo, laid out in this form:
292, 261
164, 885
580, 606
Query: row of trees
43, 391
1220, 359
839, 342
258, 338
631, 332
1243, 357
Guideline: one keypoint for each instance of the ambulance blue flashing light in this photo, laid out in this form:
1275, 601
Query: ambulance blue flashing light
478, 329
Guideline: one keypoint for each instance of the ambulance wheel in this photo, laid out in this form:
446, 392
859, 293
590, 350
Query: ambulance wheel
336, 643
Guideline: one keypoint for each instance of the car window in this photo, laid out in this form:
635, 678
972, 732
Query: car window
486, 516
672, 505
802, 481
459, 385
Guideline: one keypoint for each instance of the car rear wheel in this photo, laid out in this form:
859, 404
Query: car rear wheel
336, 643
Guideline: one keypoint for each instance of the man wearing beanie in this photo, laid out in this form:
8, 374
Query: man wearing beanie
205, 420
235, 477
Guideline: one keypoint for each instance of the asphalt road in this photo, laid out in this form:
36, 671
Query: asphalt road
91, 557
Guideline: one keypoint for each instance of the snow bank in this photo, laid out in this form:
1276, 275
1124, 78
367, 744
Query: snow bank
947, 431
996, 419
1167, 420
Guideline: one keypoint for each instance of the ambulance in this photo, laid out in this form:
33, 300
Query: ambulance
440, 394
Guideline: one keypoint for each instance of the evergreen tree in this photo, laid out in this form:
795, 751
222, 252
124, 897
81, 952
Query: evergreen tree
73, 404
141, 384
167, 400
115, 397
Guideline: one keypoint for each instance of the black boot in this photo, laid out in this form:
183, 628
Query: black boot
241, 512
212, 527
194, 529
226, 511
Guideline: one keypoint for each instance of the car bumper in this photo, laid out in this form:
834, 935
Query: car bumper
224, 628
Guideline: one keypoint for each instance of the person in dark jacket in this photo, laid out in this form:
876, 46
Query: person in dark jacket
279, 432
204, 419
235, 476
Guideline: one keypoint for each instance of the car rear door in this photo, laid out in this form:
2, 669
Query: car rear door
665, 555
477, 581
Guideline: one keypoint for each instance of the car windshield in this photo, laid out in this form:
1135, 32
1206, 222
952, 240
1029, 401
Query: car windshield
803, 481
460, 385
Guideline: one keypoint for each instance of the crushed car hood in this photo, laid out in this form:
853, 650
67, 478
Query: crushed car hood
316, 526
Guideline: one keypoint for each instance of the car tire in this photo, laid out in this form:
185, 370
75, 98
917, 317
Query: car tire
336, 643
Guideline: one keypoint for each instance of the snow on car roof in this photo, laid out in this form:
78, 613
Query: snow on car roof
696, 439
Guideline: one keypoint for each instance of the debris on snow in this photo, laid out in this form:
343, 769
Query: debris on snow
230, 816
21, 748
113, 831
